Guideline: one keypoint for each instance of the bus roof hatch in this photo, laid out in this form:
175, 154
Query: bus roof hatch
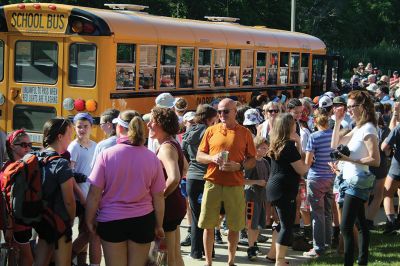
126, 7
222, 19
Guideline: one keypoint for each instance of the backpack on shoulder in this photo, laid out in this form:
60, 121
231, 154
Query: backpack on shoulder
22, 187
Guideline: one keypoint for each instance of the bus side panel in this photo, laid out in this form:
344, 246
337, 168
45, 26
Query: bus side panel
4, 82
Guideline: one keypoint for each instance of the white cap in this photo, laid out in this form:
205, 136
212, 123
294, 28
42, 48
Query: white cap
189, 116
372, 87
330, 94
166, 100
120, 122
252, 117
325, 101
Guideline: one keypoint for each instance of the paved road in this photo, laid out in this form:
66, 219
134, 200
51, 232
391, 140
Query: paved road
221, 251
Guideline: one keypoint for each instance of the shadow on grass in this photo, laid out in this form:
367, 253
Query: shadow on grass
383, 250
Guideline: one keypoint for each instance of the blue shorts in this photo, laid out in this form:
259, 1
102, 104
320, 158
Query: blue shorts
183, 187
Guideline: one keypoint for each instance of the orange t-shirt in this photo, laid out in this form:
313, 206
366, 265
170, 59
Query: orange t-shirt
237, 141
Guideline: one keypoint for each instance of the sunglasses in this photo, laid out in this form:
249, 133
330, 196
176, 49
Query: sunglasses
272, 111
225, 111
351, 107
24, 144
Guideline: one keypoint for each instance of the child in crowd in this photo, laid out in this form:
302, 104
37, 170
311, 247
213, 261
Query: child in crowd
255, 191
82, 151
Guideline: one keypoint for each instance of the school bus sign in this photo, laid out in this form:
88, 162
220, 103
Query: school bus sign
37, 22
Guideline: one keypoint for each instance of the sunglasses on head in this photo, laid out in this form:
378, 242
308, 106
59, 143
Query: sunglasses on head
24, 144
225, 111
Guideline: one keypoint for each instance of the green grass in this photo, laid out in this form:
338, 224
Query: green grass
384, 250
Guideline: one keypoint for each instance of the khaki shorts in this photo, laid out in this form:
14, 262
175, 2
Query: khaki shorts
234, 204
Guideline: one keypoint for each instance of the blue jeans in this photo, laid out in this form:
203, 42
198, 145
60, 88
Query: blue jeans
320, 196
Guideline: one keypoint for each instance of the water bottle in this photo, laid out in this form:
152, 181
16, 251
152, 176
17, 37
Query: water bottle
162, 254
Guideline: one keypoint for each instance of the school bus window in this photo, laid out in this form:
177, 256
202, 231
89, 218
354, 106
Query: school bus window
284, 68
219, 67
36, 62
125, 76
304, 68
204, 67
234, 67
32, 117
1, 60
186, 69
168, 66
82, 64
273, 69
247, 67
148, 66
261, 68
294, 68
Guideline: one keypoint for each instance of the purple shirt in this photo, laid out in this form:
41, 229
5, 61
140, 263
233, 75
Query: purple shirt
128, 175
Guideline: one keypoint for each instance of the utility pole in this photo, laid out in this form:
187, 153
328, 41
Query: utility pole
293, 16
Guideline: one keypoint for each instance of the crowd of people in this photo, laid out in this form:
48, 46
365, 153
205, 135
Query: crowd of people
280, 161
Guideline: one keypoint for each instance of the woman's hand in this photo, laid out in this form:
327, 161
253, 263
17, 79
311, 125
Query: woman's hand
92, 227
339, 113
9, 235
159, 232
261, 183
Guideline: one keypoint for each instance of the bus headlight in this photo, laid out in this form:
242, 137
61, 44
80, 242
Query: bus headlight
68, 104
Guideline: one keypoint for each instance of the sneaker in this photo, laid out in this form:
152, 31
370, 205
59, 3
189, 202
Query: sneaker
218, 237
252, 253
243, 240
300, 244
262, 239
257, 248
311, 254
390, 227
187, 241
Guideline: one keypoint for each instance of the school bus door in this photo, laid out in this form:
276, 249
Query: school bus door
35, 82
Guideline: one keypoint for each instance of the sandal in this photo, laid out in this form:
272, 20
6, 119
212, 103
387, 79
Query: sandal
270, 260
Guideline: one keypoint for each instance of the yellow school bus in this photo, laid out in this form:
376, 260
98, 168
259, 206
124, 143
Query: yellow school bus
57, 60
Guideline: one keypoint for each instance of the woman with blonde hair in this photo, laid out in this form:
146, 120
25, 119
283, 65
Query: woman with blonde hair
125, 204
270, 111
286, 169
320, 182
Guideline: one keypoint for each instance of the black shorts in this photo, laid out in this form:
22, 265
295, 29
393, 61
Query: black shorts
138, 229
172, 225
47, 233
23, 237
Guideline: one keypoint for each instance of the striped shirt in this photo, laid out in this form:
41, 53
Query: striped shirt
320, 144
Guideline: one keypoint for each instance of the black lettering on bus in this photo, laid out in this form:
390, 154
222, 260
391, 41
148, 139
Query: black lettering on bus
36, 20
61, 18
30, 20
40, 21
13, 19
49, 21
24, 20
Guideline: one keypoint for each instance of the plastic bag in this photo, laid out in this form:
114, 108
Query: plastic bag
158, 255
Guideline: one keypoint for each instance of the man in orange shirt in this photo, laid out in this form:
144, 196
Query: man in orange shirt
225, 180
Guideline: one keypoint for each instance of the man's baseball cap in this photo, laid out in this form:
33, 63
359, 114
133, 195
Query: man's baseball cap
325, 101
166, 100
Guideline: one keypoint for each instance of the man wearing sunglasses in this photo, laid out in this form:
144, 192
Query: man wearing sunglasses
224, 177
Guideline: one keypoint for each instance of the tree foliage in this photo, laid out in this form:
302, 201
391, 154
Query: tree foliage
339, 23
